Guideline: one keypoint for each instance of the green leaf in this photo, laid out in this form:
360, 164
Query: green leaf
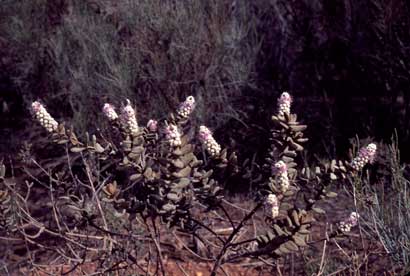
302, 140
331, 194
287, 159
195, 163
299, 240
183, 183
178, 164
304, 231
183, 173
298, 128
262, 240
294, 145
148, 173
168, 207
333, 165
137, 150
173, 196
135, 177
289, 193
187, 158
77, 149
295, 217
286, 206
318, 210
207, 174
278, 230
270, 235
291, 246
290, 153
291, 165
62, 141
99, 148
282, 250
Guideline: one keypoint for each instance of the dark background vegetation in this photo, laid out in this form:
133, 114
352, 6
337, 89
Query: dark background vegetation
347, 64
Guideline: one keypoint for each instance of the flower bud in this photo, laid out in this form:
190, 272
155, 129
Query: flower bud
44, 117
185, 108
208, 141
346, 225
284, 102
366, 155
172, 135
152, 125
109, 111
128, 120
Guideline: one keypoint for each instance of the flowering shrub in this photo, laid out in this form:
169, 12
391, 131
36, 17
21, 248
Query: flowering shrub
154, 174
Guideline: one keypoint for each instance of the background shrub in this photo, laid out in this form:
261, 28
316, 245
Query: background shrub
79, 54
235, 56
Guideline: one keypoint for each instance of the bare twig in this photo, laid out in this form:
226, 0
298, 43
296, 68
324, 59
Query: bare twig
228, 242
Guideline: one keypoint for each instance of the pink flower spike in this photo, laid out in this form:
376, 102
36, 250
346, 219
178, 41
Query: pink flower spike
366, 155
128, 119
284, 103
352, 221
36, 106
44, 118
185, 108
204, 133
280, 167
109, 111
172, 135
152, 125
208, 141
272, 205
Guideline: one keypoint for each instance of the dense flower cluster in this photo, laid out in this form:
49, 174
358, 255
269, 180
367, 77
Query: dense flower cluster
366, 155
281, 171
128, 120
152, 125
346, 225
208, 141
284, 103
172, 135
185, 109
272, 206
44, 117
109, 111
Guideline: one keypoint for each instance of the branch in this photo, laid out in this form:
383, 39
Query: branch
231, 237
